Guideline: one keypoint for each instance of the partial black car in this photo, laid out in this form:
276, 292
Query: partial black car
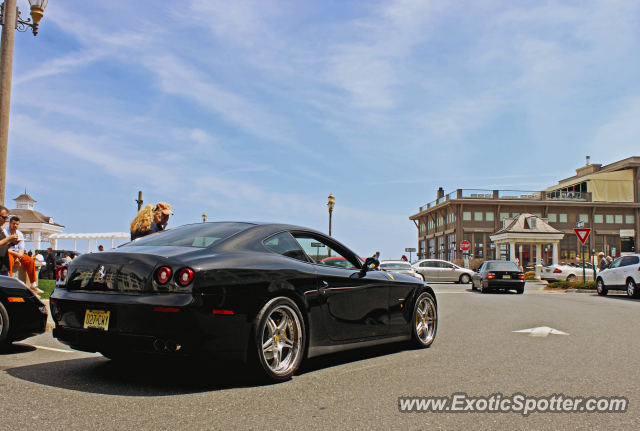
499, 275
22, 314
258, 293
59, 255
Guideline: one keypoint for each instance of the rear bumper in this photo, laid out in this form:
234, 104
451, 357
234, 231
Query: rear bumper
135, 326
504, 284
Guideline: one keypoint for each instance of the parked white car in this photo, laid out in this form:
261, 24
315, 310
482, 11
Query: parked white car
622, 274
400, 266
436, 270
553, 273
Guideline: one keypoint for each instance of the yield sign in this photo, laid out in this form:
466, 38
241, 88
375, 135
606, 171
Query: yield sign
541, 331
583, 234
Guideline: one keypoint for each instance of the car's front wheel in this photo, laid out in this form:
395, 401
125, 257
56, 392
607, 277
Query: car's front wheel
279, 339
602, 291
425, 321
632, 289
5, 339
571, 278
464, 278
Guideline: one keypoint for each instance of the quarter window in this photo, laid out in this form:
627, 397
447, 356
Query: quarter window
284, 244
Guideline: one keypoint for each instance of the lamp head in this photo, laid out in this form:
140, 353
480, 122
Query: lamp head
331, 203
37, 9
204, 217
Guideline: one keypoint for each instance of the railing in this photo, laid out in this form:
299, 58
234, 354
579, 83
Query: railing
427, 206
476, 194
569, 196
452, 195
518, 195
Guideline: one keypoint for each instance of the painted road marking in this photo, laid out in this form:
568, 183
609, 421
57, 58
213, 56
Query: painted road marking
541, 331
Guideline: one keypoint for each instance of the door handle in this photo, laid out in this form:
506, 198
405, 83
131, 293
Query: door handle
323, 287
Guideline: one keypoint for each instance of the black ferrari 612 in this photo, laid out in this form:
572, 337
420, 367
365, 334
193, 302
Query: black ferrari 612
253, 292
22, 314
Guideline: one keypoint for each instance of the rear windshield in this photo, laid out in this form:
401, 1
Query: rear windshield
195, 235
502, 266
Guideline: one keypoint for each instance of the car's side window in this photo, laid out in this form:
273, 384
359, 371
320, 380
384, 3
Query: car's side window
633, 260
616, 263
321, 251
445, 265
284, 244
482, 267
424, 264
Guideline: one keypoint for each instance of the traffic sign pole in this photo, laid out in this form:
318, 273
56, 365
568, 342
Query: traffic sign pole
582, 234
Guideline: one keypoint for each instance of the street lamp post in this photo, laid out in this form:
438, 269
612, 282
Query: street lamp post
330, 205
11, 21
204, 217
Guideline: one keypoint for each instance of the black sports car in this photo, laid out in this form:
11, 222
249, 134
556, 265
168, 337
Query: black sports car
498, 274
22, 314
247, 291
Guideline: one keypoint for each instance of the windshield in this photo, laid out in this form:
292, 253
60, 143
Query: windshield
396, 266
194, 235
502, 266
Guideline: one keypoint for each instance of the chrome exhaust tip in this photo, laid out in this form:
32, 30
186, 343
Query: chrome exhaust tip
172, 346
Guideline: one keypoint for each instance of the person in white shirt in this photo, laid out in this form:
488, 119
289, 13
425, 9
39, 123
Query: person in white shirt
37, 257
17, 253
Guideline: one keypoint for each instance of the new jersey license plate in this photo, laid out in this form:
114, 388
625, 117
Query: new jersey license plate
506, 276
96, 319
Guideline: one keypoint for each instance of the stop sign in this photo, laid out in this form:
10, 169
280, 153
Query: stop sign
465, 246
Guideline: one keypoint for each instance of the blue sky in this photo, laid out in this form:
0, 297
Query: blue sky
259, 109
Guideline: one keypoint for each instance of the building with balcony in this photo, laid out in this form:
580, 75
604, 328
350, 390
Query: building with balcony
605, 198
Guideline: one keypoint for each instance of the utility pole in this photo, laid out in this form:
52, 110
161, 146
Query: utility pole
9, 16
139, 201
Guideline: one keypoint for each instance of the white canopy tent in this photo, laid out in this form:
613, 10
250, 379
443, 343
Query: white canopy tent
91, 236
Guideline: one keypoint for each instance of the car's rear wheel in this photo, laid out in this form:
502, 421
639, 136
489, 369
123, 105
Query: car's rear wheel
464, 278
571, 278
425, 321
5, 339
602, 291
632, 289
279, 339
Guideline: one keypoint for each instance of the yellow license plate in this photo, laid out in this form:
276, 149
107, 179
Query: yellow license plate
96, 319
506, 276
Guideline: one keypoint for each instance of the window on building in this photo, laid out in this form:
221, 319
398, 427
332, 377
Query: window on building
628, 219
488, 216
608, 218
618, 218
553, 218
478, 244
466, 216
514, 215
563, 218
504, 216
584, 218
477, 216
539, 215
597, 218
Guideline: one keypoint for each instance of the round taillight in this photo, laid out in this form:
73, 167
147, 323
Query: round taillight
63, 273
164, 275
185, 276
58, 272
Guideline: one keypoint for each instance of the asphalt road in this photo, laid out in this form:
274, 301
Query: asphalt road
475, 351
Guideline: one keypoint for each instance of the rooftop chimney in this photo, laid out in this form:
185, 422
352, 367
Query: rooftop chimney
440, 193
588, 160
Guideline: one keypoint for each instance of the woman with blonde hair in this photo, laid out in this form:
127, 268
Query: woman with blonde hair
146, 222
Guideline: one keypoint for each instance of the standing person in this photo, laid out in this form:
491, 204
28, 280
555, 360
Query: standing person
517, 262
37, 257
51, 262
165, 208
30, 254
602, 262
146, 222
5, 242
17, 253
374, 261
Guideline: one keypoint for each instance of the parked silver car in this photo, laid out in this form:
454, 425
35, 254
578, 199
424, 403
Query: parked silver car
400, 266
436, 270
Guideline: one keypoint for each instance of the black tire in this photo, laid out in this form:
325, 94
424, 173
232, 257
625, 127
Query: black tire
5, 336
264, 362
482, 288
425, 337
571, 278
602, 291
632, 289
116, 355
464, 279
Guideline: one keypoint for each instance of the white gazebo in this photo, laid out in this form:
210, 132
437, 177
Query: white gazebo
528, 229
35, 226
91, 236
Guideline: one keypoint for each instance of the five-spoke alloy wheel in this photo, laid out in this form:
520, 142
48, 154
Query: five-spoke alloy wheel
425, 321
279, 337
632, 289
